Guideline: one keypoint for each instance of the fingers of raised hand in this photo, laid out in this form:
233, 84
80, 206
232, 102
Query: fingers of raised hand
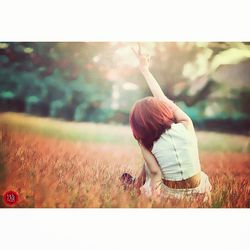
139, 48
134, 51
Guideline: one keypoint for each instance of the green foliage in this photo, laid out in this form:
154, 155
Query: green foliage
243, 100
64, 80
56, 108
7, 95
80, 112
50, 79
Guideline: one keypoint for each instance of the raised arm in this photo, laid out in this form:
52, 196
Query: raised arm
180, 115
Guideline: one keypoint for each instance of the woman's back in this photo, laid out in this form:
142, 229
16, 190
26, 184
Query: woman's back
176, 152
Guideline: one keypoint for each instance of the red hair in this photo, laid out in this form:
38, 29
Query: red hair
149, 118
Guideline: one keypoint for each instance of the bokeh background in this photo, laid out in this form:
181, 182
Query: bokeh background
99, 81
64, 113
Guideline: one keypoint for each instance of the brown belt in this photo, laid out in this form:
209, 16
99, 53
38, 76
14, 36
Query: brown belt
191, 182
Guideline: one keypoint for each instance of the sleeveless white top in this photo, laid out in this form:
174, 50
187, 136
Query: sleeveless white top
176, 152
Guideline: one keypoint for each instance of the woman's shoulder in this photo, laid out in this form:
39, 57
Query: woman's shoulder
180, 130
187, 128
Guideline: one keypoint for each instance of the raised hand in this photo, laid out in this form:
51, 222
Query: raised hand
143, 59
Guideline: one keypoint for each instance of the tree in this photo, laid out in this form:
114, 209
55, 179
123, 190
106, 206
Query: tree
53, 78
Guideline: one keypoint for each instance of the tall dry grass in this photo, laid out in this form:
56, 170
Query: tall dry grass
49, 172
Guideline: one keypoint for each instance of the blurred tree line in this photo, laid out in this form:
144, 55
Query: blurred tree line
54, 79
210, 81
70, 80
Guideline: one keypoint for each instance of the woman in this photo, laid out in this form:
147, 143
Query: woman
168, 144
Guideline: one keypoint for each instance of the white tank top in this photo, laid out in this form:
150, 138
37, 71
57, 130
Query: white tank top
176, 152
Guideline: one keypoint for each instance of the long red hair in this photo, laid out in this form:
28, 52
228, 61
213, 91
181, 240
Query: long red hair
149, 118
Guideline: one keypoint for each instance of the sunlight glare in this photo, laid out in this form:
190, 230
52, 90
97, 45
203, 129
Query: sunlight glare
96, 59
129, 86
125, 56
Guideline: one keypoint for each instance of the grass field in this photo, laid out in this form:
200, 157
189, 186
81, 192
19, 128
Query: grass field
53, 163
